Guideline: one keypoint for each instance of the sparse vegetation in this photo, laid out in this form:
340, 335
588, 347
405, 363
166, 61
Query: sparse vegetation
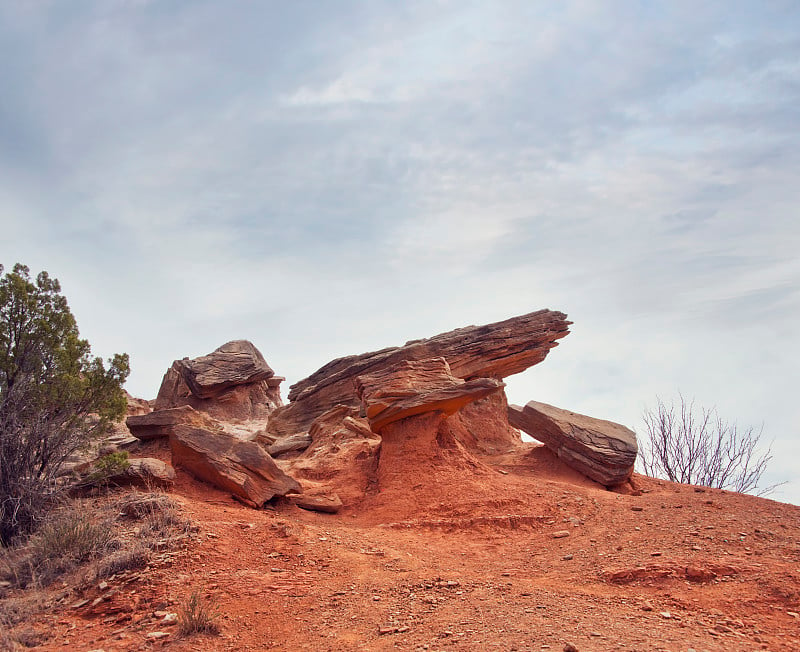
694, 445
196, 616
54, 397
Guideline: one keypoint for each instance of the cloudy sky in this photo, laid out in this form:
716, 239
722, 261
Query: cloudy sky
330, 178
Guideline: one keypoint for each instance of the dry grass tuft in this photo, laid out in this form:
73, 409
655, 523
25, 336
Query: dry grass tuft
197, 616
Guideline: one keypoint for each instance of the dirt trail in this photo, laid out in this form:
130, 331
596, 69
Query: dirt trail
528, 556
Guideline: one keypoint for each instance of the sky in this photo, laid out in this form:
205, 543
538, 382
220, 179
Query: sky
326, 179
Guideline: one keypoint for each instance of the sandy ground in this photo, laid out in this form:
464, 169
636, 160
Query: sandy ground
522, 554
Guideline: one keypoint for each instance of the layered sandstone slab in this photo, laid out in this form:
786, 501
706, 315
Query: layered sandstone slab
601, 450
414, 387
232, 383
163, 422
240, 467
491, 351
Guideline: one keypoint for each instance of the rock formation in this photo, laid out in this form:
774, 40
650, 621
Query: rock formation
241, 467
232, 383
602, 450
145, 472
492, 351
413, 387
162, 423
342, 457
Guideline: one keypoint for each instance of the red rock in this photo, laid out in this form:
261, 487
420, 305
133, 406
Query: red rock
342, 458
602, 450
414, 387
241, 467
492, 351
482, 426
162, 423
235, 363
254, 399
326, 503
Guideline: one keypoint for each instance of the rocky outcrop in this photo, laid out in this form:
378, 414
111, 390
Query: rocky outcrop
241, 467
342, 457
136, 405
232, 383
482, 426
291, 444
492, 351
162, 423
413, 387
602, 450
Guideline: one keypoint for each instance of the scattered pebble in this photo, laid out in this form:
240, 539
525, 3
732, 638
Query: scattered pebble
560, 534
567, 557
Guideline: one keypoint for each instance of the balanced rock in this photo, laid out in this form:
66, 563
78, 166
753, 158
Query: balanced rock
241, 467
601, 450
162, 423
412, 387
233, 382
494, 350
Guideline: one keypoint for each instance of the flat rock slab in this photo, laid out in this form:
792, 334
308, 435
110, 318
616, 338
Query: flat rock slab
236, 363
327, 504
162, 423
494, 350
414, 387
601, 450
242, 467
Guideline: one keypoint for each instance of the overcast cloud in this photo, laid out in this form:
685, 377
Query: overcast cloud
330, 178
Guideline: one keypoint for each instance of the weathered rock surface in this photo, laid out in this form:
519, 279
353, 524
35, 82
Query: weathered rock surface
290, 444
602, 450
325, 503
233, 382
235, 363
342, 458
145, 472
413, 387
482, 426
492, 351
241, 467
136, 405
162, 423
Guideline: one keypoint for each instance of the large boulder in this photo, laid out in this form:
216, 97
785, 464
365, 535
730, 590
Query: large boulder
162, 423
413, 387
232, 383
241, 467
602, 450
494, 350
145, 472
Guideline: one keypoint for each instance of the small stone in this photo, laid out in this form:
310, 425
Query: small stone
569, 647
560, 534
102, 586
655, 554
169, 619
80, 603
665, 614
376, 598
403, 629
155, 636
567, 557
637, 508
793, 614
647, 607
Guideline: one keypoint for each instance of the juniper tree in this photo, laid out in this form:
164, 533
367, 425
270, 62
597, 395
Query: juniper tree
54, 396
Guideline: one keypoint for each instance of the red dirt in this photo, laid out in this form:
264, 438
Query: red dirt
460, 558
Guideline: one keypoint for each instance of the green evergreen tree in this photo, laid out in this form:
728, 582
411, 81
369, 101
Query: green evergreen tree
54, 397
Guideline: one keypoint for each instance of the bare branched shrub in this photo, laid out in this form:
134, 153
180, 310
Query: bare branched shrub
694, 445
